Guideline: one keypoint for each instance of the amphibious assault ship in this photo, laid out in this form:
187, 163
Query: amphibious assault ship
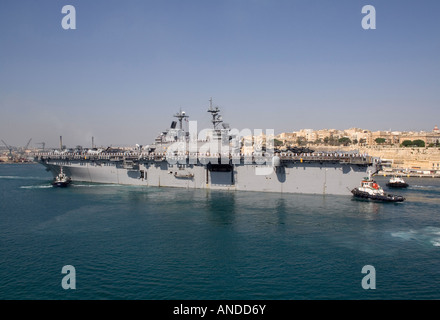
220, 158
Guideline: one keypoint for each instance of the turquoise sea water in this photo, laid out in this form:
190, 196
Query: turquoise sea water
129, 242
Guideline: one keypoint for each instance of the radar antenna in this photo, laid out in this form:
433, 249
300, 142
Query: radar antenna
180, 116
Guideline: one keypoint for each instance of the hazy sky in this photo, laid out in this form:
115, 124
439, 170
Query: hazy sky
269, 64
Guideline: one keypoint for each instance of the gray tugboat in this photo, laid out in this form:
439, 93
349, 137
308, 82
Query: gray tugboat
221, 159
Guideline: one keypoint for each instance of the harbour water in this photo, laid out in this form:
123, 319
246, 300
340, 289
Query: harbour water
129, 242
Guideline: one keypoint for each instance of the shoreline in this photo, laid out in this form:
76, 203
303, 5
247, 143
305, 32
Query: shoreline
407, 175
25, 162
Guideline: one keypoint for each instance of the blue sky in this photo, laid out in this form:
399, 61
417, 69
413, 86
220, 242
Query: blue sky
269, 64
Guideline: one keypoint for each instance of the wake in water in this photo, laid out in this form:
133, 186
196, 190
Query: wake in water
36, 187
421, 187
71, 186
94, 185
21, 178
426, 235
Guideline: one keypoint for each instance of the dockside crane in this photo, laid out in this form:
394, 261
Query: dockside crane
27, 144
23, 150
10, 150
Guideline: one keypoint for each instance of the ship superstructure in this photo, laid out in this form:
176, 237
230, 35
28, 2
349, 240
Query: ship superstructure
217, 159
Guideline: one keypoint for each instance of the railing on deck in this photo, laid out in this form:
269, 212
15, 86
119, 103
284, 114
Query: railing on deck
359, 159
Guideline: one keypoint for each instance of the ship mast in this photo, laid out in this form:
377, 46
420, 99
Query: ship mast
216, 118
180, 116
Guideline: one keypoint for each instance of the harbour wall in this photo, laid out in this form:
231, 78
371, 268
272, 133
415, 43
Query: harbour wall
422, 160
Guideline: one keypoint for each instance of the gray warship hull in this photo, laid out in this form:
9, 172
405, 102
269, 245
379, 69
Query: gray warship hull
224, 159
325, 174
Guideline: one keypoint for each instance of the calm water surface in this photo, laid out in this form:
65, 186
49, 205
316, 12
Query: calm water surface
129, 242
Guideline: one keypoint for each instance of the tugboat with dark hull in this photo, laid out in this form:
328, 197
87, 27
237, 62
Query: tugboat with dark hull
370, 190
61, 180
397, 182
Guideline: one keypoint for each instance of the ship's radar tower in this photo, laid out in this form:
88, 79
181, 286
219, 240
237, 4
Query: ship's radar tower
216, 118
180, 116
